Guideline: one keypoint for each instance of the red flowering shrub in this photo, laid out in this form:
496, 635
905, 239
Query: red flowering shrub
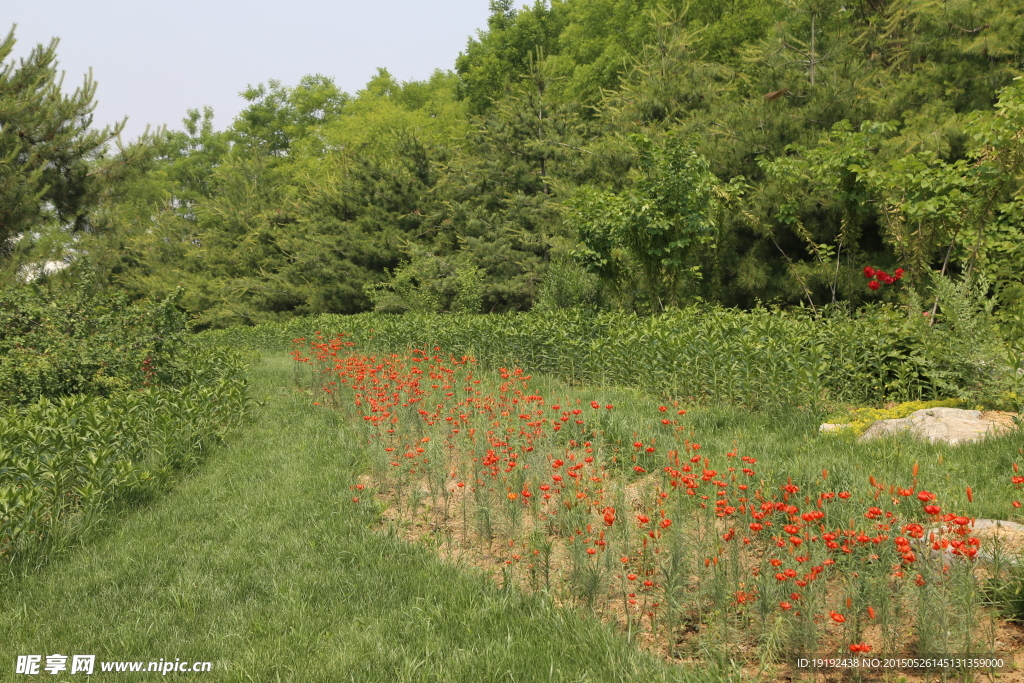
877, 278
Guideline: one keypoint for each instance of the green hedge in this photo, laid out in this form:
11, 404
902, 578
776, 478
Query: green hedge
761, 358
66, 459
63, 344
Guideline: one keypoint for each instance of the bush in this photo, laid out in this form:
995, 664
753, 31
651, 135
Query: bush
102, 403
66, 459
63, 344
567, 285
763, 358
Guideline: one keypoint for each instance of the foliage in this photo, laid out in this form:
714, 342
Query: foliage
64, 460
54, 167
80, 343
662, 224
567, 285
102, 403
775, 148
765, 358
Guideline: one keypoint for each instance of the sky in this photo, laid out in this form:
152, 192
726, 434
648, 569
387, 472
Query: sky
152, 61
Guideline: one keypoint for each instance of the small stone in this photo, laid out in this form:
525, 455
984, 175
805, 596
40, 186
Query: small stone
830, 427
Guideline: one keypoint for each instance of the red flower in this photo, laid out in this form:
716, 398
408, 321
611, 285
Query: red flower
869, 272
873, 285
837, 617
609, 516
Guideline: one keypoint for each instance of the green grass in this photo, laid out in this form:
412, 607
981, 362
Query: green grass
261, 564
787, 444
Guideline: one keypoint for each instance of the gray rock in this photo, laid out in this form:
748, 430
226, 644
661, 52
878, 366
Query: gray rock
883, 428
830, 427
947, 413
938, 425
1008, 535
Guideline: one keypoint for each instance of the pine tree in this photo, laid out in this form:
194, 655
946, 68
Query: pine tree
50, 156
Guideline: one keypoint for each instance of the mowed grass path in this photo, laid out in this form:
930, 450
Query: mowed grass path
261, 564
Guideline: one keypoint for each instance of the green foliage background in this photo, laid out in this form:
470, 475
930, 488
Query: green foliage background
766, 358
734, 152
103, 403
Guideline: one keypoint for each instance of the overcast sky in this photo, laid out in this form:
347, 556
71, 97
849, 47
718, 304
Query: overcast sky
154, 60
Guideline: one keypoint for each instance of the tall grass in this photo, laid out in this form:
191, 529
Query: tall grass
764, 358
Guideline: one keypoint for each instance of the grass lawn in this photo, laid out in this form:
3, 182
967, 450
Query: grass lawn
261, 565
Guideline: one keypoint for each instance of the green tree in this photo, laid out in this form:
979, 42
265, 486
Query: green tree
277, 115
858, 133
502, 54
497, 199
54, 167
662, 223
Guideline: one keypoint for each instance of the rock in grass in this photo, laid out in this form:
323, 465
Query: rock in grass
830, 427
997, 536
942, 425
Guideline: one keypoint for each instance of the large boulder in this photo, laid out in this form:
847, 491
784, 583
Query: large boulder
943, 425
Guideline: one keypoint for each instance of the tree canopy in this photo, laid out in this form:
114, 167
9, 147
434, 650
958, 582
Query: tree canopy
741, 151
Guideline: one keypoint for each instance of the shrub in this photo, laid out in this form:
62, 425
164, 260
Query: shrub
63, 344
